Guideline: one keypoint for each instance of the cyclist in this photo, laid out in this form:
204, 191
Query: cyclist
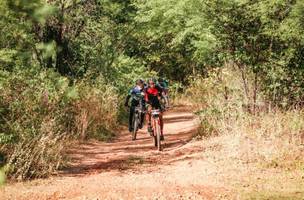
153, 95
136, 94
164, 84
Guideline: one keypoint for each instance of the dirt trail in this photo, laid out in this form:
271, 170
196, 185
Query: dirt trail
125, 169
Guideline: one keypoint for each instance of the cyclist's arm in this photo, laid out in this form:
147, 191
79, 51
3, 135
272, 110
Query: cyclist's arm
128, 97
127, 100
146, 96
167, 83
160, 91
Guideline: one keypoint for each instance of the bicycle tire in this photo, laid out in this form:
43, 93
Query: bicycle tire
158, 136
155, 141
154, 134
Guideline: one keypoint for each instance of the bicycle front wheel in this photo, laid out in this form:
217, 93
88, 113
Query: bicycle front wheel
158, 141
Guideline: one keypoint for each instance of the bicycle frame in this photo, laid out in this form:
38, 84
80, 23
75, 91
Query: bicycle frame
139, 109
137, 118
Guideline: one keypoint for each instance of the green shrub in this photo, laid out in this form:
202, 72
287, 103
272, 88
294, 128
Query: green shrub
41, 111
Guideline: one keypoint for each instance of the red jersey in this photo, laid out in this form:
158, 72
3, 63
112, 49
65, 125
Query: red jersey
152, 95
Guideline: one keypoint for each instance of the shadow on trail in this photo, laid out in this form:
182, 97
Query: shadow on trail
102, 166
124, 154
179, 119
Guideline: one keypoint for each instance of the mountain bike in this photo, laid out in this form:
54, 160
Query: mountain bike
137, 117
155, 121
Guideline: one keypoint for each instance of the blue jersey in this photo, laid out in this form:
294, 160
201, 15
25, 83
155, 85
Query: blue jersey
136, 91
136, 94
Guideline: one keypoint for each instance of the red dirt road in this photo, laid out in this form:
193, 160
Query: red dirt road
125, 169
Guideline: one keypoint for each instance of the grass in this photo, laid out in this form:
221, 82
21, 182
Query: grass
274, 196
271, 150
284, 186
240, 168
2, 177
263, 152
135, 160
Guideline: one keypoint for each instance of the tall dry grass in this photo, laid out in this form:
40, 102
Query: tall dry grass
276, 135
96, 111
40, 113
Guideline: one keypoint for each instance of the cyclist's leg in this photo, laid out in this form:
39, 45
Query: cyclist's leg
143, 115
132, 109
162, 103
161, 123
148, 115
161, 126
148, 118
167, 97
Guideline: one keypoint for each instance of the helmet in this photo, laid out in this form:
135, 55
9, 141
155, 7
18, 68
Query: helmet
152, 80
139, 81
160, 80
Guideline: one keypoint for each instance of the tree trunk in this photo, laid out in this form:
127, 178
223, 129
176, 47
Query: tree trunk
255, 92
244, 79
